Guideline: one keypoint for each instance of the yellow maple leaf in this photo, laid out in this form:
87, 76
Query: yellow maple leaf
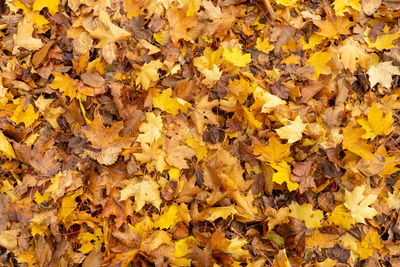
389, 166
341, 217
202, 113
251, 120
211, 76
133, 8
27, 116
177, 154
383, 41
68, 206
292, 132
52, 5
288, 3
6, 147
352, 54
319, 60
213, 213
169, 217
40, 21
358, 204
264, 45
313, 40
209, 58
321, 240
235, 248
182, 248
292, 60
282, 175
353, 142
28, 257
145, 190
104, 30
23, 37
143, 227
65, 84
342, 6
306, 213
169, 104
39, 198
265, 99
90, 241
153, 156
151, 129
107, 140
199, 147
382, 74
149, 73
274, 152
179, 25
236, 57
371, 241
377, 124
332, 27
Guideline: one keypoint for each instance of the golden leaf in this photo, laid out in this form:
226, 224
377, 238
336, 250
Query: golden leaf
144, 191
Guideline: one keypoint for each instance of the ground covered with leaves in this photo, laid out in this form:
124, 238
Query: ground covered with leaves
199, 133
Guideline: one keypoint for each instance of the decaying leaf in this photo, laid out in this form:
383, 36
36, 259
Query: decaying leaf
199, 133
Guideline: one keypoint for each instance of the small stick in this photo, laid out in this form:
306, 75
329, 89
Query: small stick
269, 9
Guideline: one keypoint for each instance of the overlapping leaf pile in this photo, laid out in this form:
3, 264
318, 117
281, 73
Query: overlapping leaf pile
197, 132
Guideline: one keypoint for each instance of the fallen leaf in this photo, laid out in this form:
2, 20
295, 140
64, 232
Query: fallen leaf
144, 191
358, 204
292, 132
382, 74
236, 57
